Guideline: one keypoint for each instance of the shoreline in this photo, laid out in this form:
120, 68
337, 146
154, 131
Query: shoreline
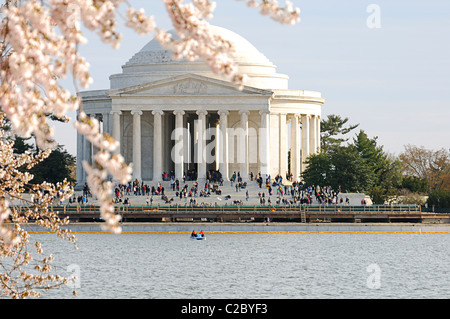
256, 228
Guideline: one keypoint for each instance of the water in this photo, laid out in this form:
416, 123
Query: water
254, 265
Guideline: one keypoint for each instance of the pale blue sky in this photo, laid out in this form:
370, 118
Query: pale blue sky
393, 80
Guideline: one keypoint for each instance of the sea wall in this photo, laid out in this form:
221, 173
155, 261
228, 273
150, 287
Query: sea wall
259, 227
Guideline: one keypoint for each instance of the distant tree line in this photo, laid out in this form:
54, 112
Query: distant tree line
361, 165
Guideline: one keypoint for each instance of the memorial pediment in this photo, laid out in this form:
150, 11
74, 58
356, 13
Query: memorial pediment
188, 85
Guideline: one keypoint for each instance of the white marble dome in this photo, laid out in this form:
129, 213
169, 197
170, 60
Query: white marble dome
246, 53
153, 63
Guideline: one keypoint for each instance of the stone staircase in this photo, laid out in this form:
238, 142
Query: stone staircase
228, 195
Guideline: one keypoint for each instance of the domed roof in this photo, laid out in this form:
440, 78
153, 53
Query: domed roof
246, 53
153, 63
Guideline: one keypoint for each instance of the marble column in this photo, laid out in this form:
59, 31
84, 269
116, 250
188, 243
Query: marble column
191, 142
264, 144
116, 127
243, 157
201, 144
305, 140
186, 137
99, 119
282, 147
223, 141
178, 150
217, 146
318, 134
313, 135
87, 155
87, 149
80, 158
295, 147
195, 141
106, 128
137, 144
157, 145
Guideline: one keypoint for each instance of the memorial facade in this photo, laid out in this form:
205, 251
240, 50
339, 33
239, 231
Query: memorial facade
177, 117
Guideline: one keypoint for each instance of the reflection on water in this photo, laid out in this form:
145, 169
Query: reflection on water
260, 265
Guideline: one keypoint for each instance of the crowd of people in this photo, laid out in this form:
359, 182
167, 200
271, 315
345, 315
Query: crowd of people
271, 191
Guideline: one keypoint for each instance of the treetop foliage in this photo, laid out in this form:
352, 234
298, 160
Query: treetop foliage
333, 131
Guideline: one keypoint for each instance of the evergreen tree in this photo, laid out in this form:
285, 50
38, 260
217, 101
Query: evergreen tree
386, 171
350, 171
333, 131
439, 199
21, 146
361, 166
339, 167
55, 168
415, 184
318, 170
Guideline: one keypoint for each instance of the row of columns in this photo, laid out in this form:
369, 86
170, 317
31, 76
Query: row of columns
301, 147
310, 140
200, 128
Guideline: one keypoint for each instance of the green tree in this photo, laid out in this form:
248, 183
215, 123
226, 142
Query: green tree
378, 195
369, 150
21, 146
54, 168
333, 130
318, 169
386, 171
439, 199
415, 184
339, 167
350, 171
360, 166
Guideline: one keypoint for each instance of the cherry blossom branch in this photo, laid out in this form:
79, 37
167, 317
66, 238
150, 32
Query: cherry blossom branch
286, 15
38, 55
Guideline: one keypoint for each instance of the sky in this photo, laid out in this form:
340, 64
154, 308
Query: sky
384, 65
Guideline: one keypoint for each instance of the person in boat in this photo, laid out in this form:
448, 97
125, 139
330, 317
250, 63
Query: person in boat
194, 234
202, 234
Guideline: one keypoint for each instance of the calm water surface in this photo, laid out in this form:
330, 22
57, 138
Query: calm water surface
254, 265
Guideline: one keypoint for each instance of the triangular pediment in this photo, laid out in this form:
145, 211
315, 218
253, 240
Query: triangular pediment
188, 85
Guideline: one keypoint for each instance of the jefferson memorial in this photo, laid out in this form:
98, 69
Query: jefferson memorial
176, 117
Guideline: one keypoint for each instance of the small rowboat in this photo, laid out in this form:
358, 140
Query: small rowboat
198, 237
